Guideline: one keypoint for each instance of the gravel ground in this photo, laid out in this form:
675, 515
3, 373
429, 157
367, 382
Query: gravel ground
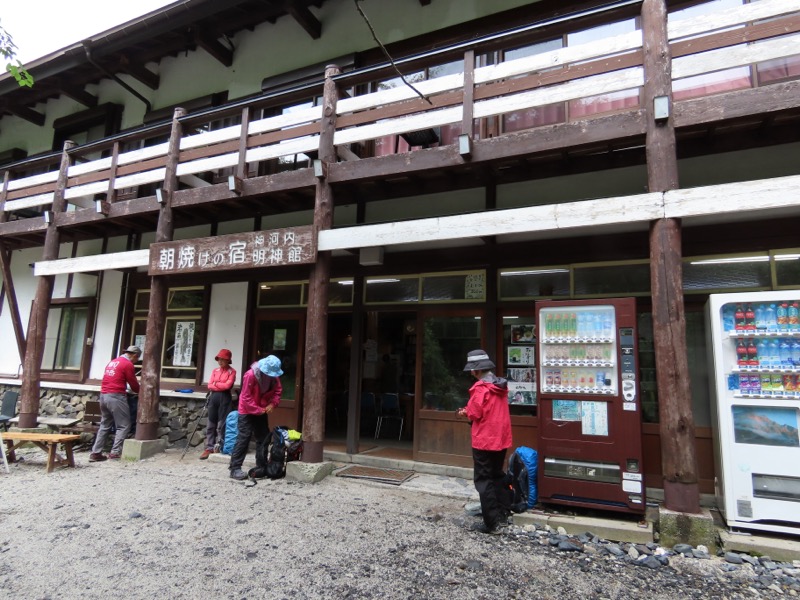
171, 528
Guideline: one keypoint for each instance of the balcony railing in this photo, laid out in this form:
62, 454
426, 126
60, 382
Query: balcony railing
748, 45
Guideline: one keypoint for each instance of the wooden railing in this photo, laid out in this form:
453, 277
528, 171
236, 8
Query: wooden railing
739, 37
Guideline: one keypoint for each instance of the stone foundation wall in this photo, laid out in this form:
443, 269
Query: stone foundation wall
178, 418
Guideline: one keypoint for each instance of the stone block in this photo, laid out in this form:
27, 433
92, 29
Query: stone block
308, 472
685, 528
141, 449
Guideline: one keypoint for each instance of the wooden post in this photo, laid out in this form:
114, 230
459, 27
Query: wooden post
147, 417
676, 421
37, 323
8, 281
356, 363
316, 359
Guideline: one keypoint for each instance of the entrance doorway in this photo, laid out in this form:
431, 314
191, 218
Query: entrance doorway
388, 382
388, 378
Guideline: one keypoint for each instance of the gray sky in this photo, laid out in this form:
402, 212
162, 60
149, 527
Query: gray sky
40, 27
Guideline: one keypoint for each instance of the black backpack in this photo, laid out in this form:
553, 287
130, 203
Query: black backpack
271, 457
276, 454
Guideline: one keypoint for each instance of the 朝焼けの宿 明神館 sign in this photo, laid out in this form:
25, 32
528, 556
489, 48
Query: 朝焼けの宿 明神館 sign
276, 247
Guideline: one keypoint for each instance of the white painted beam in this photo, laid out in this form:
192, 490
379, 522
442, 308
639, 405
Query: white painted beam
587, 213
88, 264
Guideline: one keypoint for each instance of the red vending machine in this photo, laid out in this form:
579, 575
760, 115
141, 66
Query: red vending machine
590, 441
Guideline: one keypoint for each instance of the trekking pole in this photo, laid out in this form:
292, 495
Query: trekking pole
196, 423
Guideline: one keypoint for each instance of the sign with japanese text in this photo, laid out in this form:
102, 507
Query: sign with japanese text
276, 247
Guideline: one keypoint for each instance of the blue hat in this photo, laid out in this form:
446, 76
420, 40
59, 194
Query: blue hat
270, 365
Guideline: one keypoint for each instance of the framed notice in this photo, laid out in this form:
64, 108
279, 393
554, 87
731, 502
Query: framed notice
184, 342
522, 334
520, 356
521, 393
279, 343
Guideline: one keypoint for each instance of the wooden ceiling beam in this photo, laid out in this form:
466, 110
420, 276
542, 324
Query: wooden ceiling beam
76, 93
214, 47
305, 18
141, 74
23, 112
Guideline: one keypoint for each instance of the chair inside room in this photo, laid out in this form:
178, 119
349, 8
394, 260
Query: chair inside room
389, 408
8, 408
368, 411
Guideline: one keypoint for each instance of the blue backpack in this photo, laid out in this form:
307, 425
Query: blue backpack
523, 465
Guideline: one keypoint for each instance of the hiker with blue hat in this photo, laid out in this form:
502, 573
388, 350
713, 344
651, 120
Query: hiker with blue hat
261, 393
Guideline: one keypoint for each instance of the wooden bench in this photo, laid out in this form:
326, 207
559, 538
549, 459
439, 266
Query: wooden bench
47, 442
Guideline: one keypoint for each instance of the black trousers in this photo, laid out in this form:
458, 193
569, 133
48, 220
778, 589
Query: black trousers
489, 477
250, 425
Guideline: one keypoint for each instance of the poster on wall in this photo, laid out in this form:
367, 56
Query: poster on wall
765, 426
138, 340
521, 393
184, 341
279, 343
520, 356
522, 334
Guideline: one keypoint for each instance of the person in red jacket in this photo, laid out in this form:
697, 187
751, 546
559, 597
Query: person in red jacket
119, 374
487, 411
219, 400
261, 393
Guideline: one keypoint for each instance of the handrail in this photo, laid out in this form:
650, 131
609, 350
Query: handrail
472, 44
609, 65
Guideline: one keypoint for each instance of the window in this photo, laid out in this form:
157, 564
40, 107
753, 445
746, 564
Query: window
67, 333
184, 331
446, 342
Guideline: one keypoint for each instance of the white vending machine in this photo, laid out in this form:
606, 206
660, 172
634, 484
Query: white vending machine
754, 347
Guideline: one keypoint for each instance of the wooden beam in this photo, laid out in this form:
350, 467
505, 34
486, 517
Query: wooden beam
676, 421
23, 112
305, 18
316, 346
37, 321
11, 297
77, 94
140, 73
214, 47
147, 417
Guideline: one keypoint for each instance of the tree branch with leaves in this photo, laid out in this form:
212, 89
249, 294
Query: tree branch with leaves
8, 50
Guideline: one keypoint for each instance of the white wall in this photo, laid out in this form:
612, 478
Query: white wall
106, 324
227, 312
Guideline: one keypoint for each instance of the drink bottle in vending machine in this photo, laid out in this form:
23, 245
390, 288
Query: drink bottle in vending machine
590, 446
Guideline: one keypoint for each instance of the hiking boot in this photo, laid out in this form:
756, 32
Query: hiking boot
238, 474
497, 529
113, 456
97, 457
206, 453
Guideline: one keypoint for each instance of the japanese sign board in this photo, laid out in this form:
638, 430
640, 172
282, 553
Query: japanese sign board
272, 248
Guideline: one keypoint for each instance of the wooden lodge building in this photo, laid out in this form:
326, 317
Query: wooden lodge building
258, 176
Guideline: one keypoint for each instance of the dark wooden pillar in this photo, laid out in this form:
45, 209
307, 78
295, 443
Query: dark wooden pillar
356, 365
676, 422
316, 359
147, 417
37, 323
8, 280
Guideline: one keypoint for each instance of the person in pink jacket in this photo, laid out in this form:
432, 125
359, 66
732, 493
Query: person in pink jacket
487, 411
219, 401
261, 393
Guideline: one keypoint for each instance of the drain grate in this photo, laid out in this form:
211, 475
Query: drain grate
392, 476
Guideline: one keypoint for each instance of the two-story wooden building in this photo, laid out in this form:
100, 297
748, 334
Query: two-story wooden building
371, 189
